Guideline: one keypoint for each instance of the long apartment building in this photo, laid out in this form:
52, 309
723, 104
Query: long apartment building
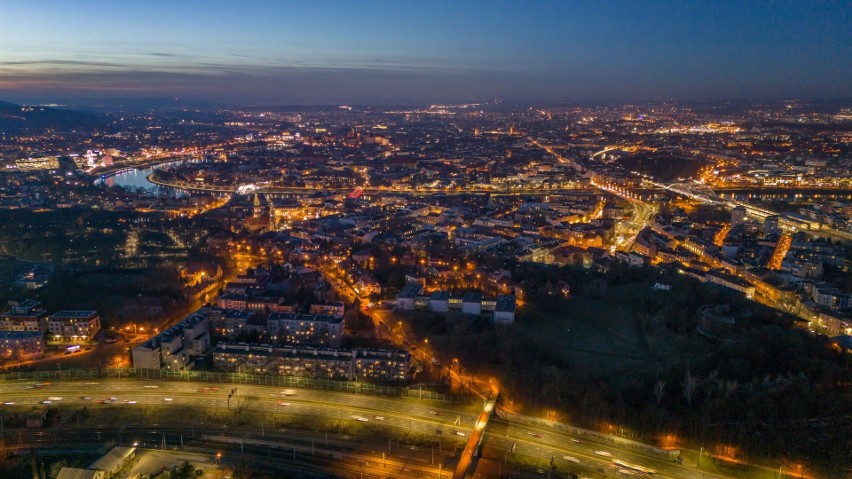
313, 362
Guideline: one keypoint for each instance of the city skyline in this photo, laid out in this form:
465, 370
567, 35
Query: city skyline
270, 53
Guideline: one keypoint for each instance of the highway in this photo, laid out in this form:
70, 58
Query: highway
572, 453
409, 414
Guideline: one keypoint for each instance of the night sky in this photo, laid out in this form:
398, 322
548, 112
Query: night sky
399, 51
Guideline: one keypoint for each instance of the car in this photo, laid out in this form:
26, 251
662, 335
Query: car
167, 399
571, 458
287, 392
130, 402
603, 453
46, 402
362, 419
86, 398
151, 386
282, 403
434, 413
380, 418
459, 433
576, 440
8, 403
54, 398
203, 390
534, 434
214, 388
113, 398
105, 401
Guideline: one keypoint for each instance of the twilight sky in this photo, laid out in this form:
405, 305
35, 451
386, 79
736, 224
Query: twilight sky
281, 52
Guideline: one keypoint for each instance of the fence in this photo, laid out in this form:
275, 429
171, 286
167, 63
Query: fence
354, 387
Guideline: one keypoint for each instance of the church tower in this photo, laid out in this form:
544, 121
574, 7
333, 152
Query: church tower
257, 209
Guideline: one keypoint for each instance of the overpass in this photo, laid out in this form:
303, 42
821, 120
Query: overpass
476, 436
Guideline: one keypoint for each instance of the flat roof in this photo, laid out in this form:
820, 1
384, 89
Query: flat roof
440, 296
316, 318
113, 459
72, 314
473, 297
18, 334
505, 303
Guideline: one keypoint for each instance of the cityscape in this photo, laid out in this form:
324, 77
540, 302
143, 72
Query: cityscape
318, 248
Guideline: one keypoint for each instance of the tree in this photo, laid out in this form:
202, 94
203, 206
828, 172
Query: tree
690, 383
184, 471
659, 386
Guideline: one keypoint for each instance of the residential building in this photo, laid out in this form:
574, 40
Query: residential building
504, 311
472, 303
731, 282
335, 308
313, 362
73, 326
317, 329
21, 345
175, 348
24, 316
407, 296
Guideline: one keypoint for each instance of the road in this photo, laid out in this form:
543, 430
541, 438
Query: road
573, 453
410, 414
643, 214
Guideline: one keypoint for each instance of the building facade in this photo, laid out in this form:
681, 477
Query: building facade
21, 345
73, 326
313, 362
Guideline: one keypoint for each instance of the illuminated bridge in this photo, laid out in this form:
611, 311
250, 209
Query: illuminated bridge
696, 191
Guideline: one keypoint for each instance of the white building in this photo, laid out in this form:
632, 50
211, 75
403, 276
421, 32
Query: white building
439, 301
472, 303
26, 316
175, 348
406, 298
73, 326
504, 311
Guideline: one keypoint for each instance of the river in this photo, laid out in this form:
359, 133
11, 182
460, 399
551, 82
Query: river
138, 178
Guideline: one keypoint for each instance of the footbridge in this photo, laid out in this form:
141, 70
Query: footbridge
476, 436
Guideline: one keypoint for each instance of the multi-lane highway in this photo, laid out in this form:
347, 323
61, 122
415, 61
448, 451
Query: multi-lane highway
414, 415
504, 441
449, 423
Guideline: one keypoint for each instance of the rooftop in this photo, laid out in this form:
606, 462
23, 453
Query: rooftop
70, 314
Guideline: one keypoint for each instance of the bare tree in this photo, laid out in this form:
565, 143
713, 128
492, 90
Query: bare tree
659, 386
690, 383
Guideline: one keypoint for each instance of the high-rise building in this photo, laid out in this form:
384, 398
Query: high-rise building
770, 225
738, 215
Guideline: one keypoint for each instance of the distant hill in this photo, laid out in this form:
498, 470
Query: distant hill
15, 119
